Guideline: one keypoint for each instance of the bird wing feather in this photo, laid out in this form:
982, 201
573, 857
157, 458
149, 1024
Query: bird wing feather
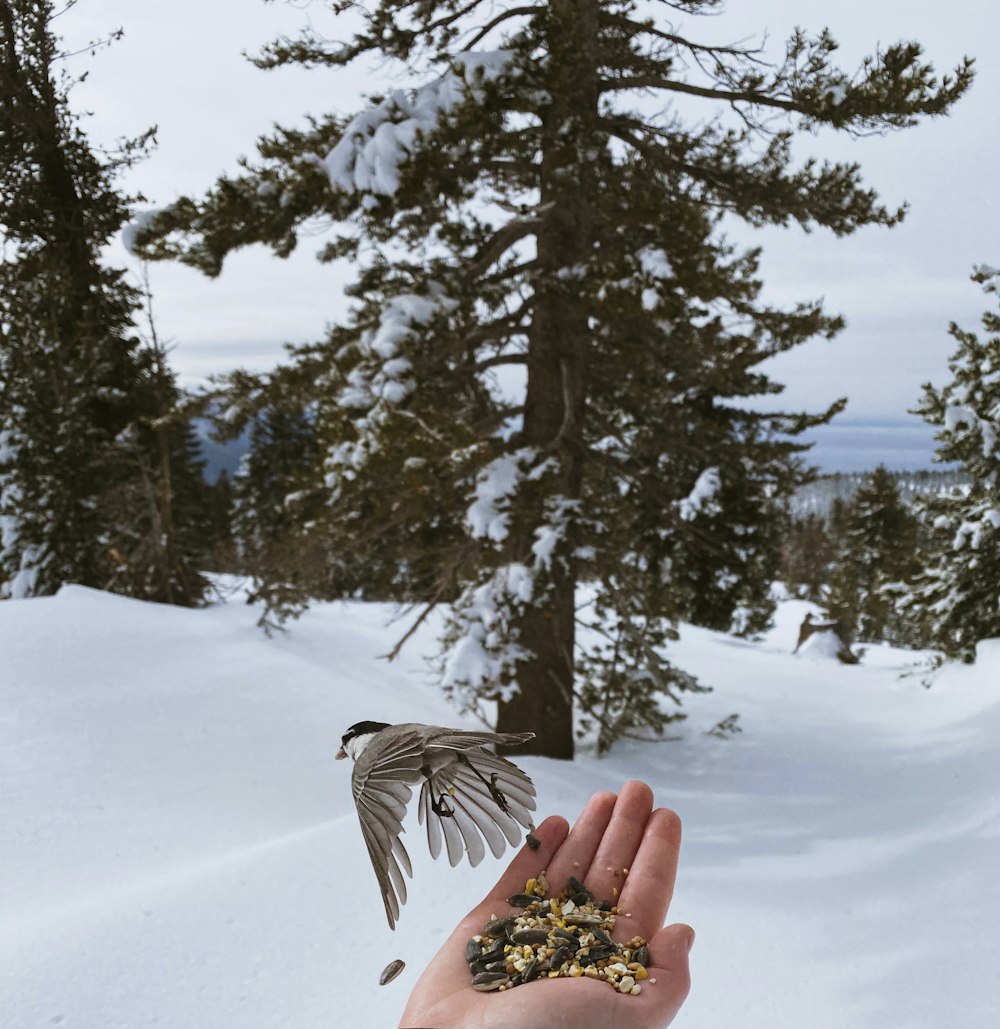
380, 784
476, 814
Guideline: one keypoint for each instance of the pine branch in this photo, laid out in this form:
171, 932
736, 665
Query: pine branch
512, 12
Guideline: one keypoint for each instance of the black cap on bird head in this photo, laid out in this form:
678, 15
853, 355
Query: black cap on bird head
356, 730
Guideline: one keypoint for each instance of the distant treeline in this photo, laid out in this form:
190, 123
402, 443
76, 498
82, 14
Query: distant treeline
817, 497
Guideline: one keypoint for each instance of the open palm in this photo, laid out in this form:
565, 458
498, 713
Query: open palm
613, 833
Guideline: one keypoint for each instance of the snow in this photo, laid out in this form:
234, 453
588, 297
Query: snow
487, 516
142, 220
709, 483
824, 646
179, 848
483, 651
375, 144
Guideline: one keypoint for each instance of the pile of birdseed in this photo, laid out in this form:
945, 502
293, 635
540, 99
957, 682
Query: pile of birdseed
565, 935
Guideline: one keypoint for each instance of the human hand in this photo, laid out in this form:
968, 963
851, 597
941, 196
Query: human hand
612, 833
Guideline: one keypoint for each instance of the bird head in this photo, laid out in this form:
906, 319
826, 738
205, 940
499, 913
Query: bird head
357, 737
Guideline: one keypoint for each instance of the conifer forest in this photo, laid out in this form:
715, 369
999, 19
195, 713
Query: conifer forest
549, 415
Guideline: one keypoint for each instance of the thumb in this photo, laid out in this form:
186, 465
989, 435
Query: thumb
668, 959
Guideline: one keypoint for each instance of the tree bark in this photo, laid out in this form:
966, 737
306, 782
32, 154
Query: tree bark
557, 382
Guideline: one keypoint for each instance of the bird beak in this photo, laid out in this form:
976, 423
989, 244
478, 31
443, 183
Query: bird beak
341, 754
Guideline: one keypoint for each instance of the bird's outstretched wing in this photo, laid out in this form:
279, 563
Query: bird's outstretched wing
469, 787
380, 783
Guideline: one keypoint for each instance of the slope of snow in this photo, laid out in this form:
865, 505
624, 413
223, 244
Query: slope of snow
179, 848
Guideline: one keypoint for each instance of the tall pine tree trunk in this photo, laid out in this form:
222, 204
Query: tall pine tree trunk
557, 382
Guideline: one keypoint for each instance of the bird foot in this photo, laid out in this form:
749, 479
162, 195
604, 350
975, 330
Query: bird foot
441, 808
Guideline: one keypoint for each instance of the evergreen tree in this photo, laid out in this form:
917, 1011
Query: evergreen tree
807, 556
547, 373
268, 507
877, 550
81, 463
955, 597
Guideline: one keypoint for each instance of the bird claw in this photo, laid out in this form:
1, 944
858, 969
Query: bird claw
441, 809
497, 795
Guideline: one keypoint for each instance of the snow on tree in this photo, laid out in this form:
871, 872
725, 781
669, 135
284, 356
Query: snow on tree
956, 596
552, 342
85, 409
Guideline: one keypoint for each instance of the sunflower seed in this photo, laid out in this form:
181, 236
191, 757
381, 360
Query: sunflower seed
491, 957
530, 970
521, 900
522, 936
390, 971
558, 957
473, 950
641, 955
582, 918
498, 927
596, 954
532, 841
601, 935
486, 981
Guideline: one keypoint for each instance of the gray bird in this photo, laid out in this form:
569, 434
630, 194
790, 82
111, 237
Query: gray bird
467, 794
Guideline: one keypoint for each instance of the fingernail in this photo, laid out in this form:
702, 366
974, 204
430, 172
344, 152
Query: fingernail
690, 942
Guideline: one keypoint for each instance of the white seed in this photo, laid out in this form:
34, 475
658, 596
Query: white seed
636, 990
626, 984
568, 908
652, 980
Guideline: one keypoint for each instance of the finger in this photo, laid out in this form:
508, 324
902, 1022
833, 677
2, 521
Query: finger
669, 963
649, 885
577, 852
621, 840
528, 862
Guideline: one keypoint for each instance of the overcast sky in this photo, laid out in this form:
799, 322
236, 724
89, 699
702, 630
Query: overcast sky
180, 67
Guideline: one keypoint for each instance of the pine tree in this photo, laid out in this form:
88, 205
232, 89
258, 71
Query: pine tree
807, 555
955, 598
81, 490
545, 381
268, 510
877, 550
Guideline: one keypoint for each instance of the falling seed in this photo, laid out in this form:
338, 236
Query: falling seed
390, 971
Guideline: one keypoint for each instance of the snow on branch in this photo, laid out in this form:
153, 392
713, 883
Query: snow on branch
708, 485
382, 379
377, 142
480, 652
487, 516
553, 532
139, 223
957, 416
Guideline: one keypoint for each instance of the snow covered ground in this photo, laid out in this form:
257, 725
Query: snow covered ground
178, 847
